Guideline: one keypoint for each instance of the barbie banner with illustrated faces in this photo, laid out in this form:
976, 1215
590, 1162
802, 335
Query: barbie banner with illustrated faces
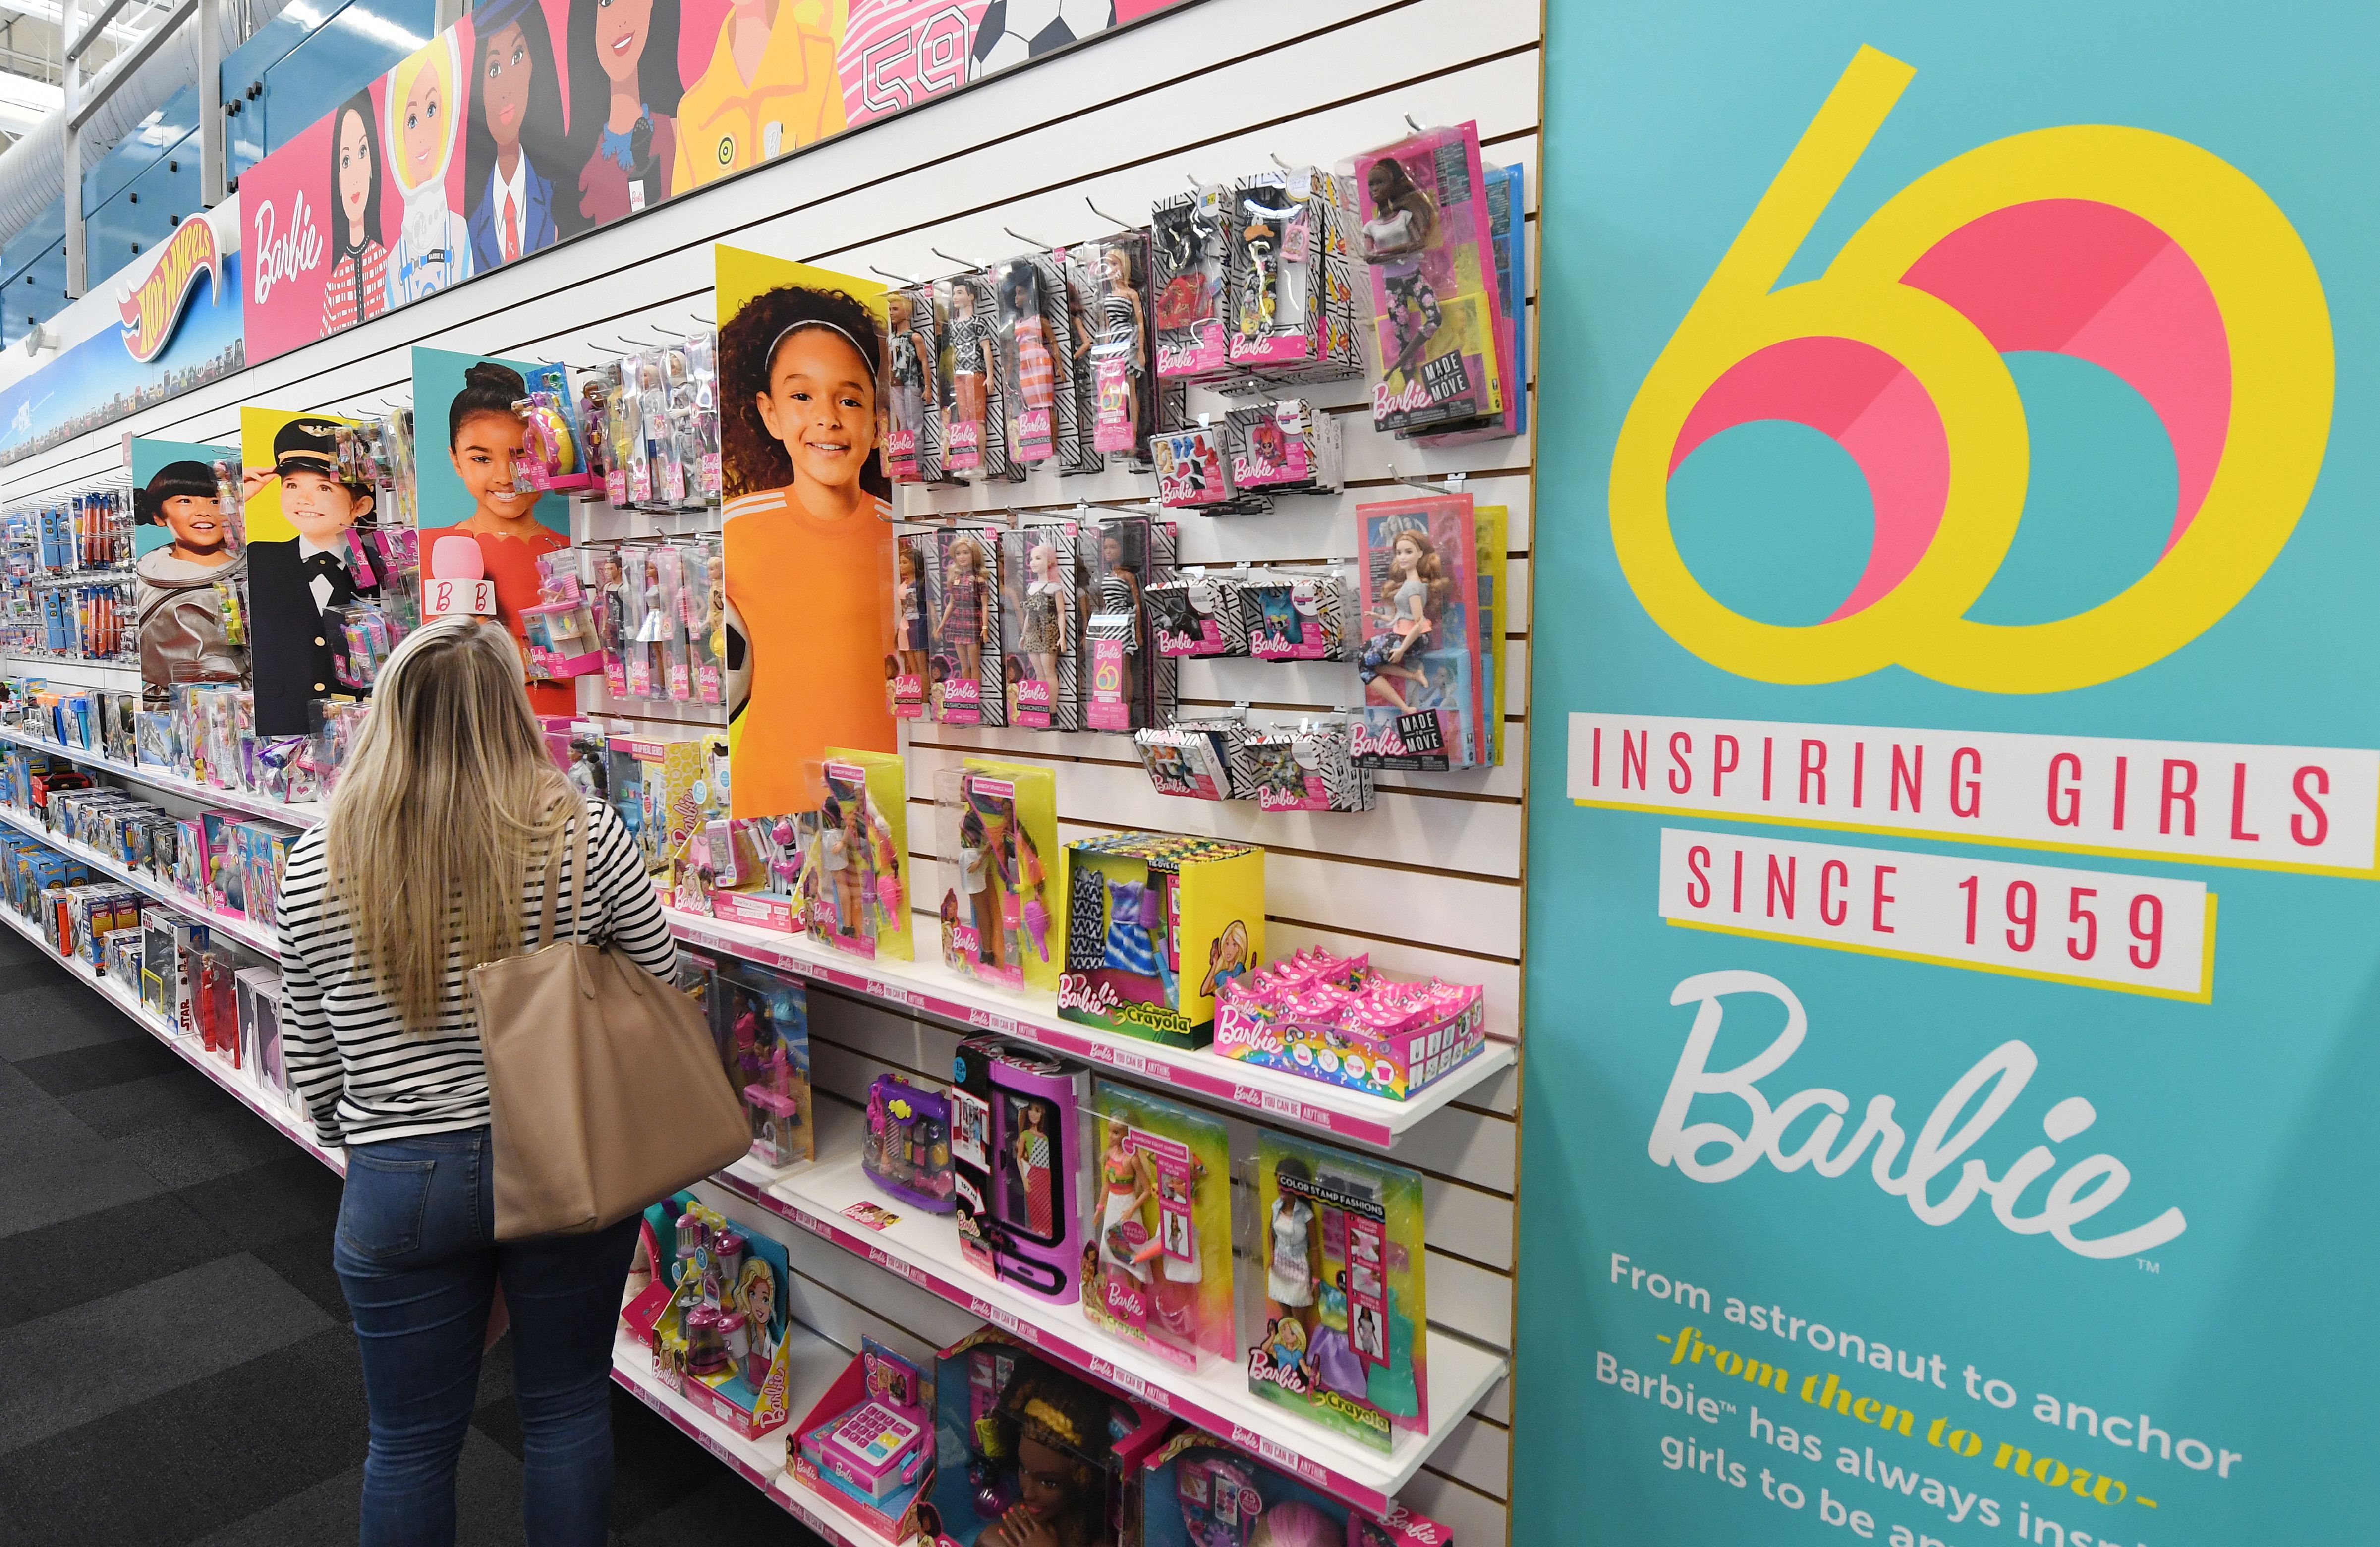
531, 121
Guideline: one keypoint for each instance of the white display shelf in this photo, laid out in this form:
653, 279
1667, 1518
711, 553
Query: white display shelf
298, 813
924, 1248
253, 935
762, 1462
270, 1105
927, 985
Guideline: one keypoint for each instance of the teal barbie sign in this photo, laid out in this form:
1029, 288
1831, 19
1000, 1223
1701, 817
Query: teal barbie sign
1956, 911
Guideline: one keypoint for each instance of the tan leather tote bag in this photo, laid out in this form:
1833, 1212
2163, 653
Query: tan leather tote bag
604, 1087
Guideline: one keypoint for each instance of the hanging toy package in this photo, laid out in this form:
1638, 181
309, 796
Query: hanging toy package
694, 415
1196, 614
561, 628
1192, 265
666, 622
966, 660
1122, 344
912, 407
1344, 1336
1504, 218
1132, 686
1036, 361
702, 602
996, 826
907, 670
1160, 1219
1441, 352
1040, 600
1183, 763
1310, 767
862, 856
1296, 615
1294, 318
1286, 447
975, 412
1194, 471
1421, 661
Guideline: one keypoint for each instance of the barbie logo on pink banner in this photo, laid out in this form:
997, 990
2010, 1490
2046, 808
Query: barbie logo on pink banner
285, 255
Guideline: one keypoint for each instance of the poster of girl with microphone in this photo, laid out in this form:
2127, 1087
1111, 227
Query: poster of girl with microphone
471, 489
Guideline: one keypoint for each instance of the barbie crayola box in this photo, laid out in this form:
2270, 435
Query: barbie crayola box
1155, 923
808, 532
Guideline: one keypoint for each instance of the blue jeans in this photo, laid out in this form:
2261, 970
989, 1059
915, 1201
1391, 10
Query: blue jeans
418, 1262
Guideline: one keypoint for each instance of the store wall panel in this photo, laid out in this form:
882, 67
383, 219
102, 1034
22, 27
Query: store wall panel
1429, 880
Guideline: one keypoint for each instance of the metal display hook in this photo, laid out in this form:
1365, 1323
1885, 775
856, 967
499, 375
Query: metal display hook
1416, 128
895, 279
1109, 218
963, 263
1028, 241
1452, 485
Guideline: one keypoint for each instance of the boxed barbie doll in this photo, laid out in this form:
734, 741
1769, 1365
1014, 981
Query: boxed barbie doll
1441, 353
1344, 1334
716, 1315
860, 856
996, 827
760, 1021
1421, 657
1040, 601
1160, 1272
1022, 1170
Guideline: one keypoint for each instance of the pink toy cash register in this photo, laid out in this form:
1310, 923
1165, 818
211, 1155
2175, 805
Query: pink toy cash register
879, 1446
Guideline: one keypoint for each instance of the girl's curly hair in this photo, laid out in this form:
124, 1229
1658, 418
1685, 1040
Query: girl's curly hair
755, 460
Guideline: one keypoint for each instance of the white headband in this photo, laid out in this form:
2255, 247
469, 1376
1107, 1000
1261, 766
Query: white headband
769, 360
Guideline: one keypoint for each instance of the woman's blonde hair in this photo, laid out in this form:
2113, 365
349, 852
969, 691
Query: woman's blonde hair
442, 57
448, 797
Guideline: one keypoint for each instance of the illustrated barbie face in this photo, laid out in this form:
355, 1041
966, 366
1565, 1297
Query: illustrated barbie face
506, 65
483, 454
820, 404
621, 27
319, 505
195, 521
356, 173
425, 126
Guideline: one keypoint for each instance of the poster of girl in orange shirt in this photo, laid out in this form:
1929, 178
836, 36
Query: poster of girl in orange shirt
809, 525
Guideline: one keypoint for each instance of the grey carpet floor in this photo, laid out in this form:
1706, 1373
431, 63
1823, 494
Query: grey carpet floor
176, 1360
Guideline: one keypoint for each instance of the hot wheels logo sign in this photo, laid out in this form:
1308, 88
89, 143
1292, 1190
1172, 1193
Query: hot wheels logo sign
153, 308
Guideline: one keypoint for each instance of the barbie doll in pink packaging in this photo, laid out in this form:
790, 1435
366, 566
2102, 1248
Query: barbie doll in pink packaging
1420, 658
1038, 626
966, 622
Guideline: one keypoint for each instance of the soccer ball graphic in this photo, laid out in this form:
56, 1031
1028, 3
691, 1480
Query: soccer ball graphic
1014, 30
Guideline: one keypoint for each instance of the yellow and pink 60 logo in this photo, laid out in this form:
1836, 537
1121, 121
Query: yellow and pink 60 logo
2134, 251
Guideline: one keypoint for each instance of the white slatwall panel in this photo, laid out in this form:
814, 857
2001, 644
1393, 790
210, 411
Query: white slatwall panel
1430, 882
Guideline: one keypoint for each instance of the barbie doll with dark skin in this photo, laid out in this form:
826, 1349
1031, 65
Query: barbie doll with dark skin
1060, 1424
979, 879
1403, 224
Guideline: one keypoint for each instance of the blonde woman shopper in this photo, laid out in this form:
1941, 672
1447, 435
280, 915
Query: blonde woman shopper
432, 862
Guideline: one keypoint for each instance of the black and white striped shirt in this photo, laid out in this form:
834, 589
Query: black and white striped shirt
363, 1076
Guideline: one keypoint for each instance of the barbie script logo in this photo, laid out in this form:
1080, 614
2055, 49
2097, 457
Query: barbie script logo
1077, 991
2083, 1189
285, 257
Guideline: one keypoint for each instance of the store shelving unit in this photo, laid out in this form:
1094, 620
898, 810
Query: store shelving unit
298, 813
255, 936
923, 986
924, 1249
